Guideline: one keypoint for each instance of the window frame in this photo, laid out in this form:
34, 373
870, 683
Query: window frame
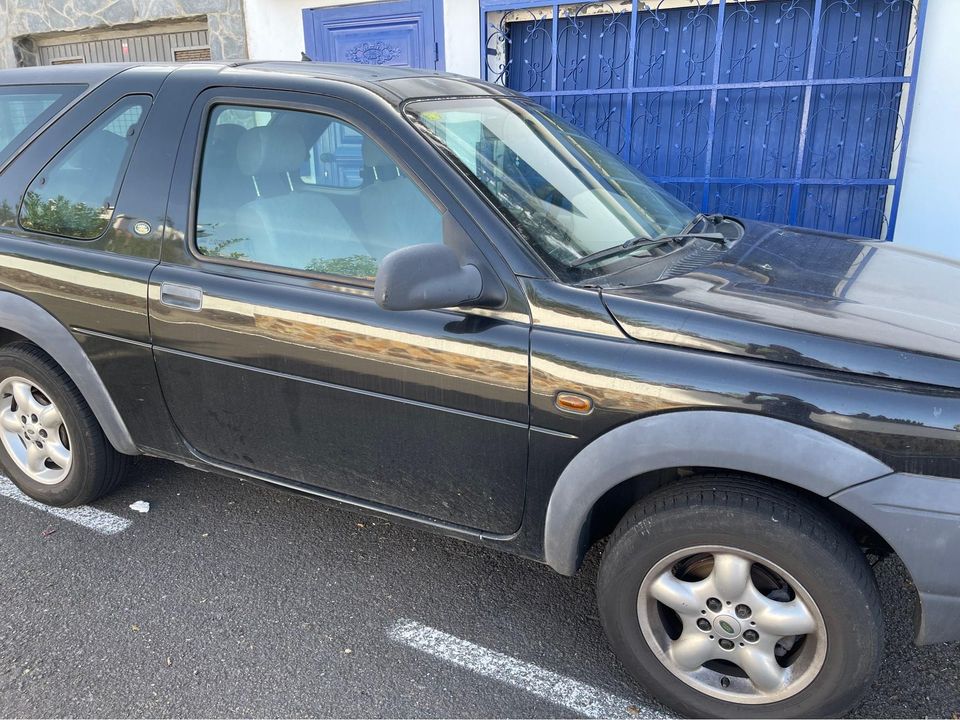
320, 105
147, 100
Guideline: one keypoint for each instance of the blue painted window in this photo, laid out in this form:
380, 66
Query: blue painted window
795, 111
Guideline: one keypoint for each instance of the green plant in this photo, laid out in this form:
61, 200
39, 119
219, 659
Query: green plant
218, 249
60, 216
362, 266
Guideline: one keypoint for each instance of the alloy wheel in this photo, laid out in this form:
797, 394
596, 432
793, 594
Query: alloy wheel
732, 624
33, 431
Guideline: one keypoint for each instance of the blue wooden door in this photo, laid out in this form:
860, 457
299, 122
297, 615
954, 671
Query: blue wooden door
405, 33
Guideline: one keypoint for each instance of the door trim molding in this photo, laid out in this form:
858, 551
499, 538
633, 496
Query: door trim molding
347, 388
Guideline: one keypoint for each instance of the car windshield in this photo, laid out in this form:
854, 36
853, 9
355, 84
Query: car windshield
567, 195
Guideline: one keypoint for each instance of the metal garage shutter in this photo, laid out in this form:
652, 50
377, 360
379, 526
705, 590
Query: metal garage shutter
150, 44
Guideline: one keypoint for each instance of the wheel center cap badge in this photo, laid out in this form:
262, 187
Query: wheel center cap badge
727, 626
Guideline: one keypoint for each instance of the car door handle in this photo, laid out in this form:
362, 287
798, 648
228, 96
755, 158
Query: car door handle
184, 297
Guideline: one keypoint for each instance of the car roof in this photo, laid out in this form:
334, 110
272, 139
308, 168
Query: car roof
394, 84
89, 74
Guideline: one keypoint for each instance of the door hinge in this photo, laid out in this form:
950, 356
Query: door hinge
436, 54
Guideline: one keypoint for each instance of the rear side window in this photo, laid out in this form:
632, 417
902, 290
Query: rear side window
25, 108
75, 194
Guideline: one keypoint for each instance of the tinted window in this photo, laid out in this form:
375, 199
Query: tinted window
74, 196
304, 191
24, 109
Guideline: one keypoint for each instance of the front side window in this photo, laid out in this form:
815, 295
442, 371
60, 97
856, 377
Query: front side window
75, 194
306, 192
25, 108
563, 192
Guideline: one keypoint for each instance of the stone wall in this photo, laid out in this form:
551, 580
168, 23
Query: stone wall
20, 20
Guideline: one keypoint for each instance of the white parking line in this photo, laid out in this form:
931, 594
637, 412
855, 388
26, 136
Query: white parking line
99, 521
559, 689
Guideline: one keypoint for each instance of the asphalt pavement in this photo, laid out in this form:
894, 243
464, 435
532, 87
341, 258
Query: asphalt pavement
230, 599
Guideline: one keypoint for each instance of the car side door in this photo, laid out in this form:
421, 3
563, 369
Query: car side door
275, 360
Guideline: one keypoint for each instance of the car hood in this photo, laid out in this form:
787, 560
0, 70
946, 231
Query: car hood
811, 298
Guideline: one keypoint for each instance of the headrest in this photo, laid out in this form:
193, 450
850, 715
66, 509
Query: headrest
228, 134
269, 149
377, 165
101, 147
373, 154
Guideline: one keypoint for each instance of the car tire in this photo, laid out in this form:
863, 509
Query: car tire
737, 541
51, 444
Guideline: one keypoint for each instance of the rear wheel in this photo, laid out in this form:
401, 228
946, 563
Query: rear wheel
50, 442
729, 598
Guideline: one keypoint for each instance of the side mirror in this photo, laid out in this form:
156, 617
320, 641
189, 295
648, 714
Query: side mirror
426, 277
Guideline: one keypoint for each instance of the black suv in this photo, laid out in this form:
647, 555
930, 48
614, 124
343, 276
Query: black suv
426, 297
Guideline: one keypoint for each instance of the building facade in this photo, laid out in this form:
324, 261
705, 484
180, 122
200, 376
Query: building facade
280, 29
837, 114
50, 32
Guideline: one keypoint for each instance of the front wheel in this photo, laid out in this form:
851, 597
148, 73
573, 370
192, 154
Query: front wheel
729, 598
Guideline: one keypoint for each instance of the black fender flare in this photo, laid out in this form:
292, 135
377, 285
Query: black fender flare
734, 441
26, 318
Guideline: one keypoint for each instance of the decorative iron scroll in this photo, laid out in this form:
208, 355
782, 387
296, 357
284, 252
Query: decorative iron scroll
376, 53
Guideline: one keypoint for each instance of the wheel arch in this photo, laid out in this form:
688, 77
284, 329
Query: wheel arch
21, 318
656, 446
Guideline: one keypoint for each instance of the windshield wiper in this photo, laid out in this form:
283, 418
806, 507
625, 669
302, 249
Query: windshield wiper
713, 218
635, 244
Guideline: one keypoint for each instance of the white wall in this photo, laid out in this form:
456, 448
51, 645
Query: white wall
275, 27
931, 179
461, 36
275, 30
